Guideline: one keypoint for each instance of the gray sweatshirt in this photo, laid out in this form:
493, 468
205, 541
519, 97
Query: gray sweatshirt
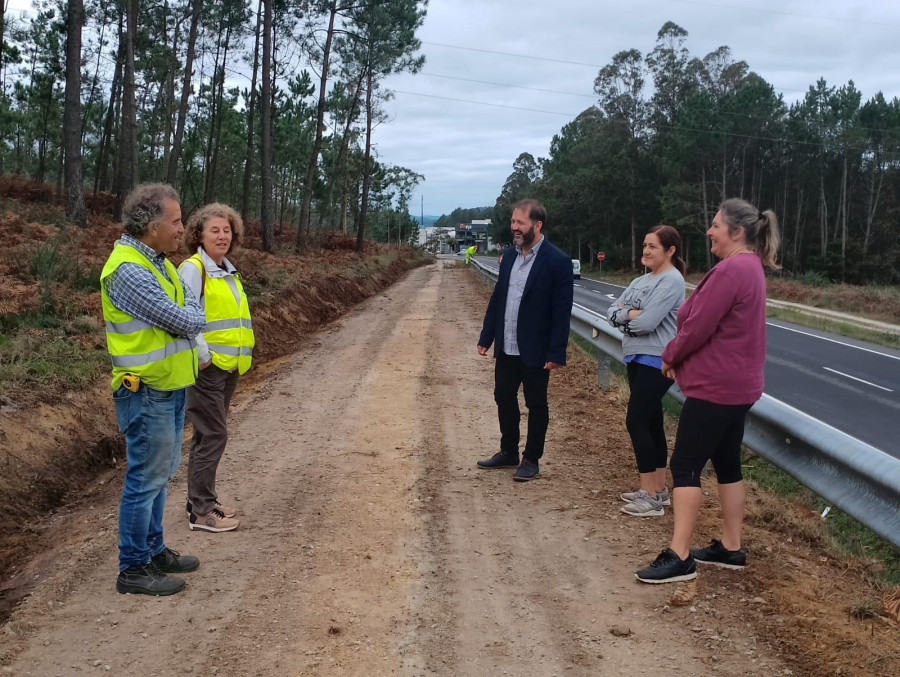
658, 297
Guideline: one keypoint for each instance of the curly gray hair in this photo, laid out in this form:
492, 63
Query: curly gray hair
145, 204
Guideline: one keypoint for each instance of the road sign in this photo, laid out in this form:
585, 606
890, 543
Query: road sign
601, 256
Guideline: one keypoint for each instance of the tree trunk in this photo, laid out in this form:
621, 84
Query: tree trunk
798, 236
95, 81
784, 207
251, 109
72, 123
724, 168
40, 176
170, 97
844, 210
706, 220
126, 174
345, 142
101, 174
172, 170
823, 217
874, 195
265, 211
364, 204
303, 226
215, 123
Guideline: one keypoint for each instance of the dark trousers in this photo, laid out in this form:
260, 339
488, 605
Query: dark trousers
509, 374
644, 419
708, 432
207, 408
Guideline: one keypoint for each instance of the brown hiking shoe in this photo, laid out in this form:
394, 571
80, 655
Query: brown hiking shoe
214, 521
226, 510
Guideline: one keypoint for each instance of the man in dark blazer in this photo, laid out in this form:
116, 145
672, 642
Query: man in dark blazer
527, 320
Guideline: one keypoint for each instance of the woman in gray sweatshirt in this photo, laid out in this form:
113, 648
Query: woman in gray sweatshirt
646, 313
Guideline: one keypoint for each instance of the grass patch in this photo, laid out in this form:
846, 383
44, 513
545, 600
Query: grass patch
47, 360
835, 327
842, 531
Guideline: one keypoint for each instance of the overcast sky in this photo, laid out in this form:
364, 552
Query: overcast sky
463, 136
466, 149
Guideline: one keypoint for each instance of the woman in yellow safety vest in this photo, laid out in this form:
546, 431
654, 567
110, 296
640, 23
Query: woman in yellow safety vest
225, 350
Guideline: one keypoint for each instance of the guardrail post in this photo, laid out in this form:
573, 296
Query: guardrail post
604, 363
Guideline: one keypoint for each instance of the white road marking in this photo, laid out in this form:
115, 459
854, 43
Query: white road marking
589, 310
576, 285
840, 373
840, 343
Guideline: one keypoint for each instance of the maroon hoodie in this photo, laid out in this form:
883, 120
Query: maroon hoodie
719, 350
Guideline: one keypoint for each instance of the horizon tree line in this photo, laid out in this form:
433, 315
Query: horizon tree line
671, 135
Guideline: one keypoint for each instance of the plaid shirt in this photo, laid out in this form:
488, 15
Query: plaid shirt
136, 291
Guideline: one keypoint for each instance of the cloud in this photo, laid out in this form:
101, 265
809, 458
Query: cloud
466, 149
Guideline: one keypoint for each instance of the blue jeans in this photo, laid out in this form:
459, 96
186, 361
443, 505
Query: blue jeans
153, 424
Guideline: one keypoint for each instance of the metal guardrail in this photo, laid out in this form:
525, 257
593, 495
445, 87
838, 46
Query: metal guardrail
856, 477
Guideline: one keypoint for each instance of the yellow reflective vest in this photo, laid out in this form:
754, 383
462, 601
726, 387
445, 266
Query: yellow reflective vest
161, 360
229, 329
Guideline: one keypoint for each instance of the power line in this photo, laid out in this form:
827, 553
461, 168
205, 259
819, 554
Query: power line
707, 132
551, 60
503, 84
519, 56
483, 103
745, 116
797, 15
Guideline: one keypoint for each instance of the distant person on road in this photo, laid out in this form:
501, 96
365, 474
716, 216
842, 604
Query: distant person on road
225, 351
470, 252
150, 322
717, 357
646, 313
527, 320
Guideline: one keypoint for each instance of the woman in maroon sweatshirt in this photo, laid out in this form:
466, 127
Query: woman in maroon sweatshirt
717, 358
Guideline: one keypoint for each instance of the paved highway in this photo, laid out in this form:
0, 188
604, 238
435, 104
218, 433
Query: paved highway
849, 384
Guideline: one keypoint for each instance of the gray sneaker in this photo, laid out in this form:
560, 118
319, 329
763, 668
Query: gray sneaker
661, 496
644, 505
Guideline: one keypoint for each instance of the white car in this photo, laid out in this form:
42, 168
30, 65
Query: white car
576, 268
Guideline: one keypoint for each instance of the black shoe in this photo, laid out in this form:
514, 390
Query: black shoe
527, 470
500, 460
668, 568
147, 579
716, 553
172, 562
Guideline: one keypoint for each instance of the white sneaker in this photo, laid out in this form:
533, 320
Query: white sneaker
644, 505
662, 496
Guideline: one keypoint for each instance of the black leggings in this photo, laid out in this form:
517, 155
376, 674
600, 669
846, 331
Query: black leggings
708, 431
644, 419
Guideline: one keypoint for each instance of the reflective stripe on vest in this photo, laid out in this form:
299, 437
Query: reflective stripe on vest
177, 346
161, 360
228, 330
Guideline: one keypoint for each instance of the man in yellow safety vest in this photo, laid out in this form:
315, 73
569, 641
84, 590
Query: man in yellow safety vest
470, 252
150, 319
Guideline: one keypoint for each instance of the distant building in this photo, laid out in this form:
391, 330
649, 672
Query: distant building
436, 240
475, 232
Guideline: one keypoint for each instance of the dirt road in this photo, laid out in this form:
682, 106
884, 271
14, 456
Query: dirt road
370, 544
